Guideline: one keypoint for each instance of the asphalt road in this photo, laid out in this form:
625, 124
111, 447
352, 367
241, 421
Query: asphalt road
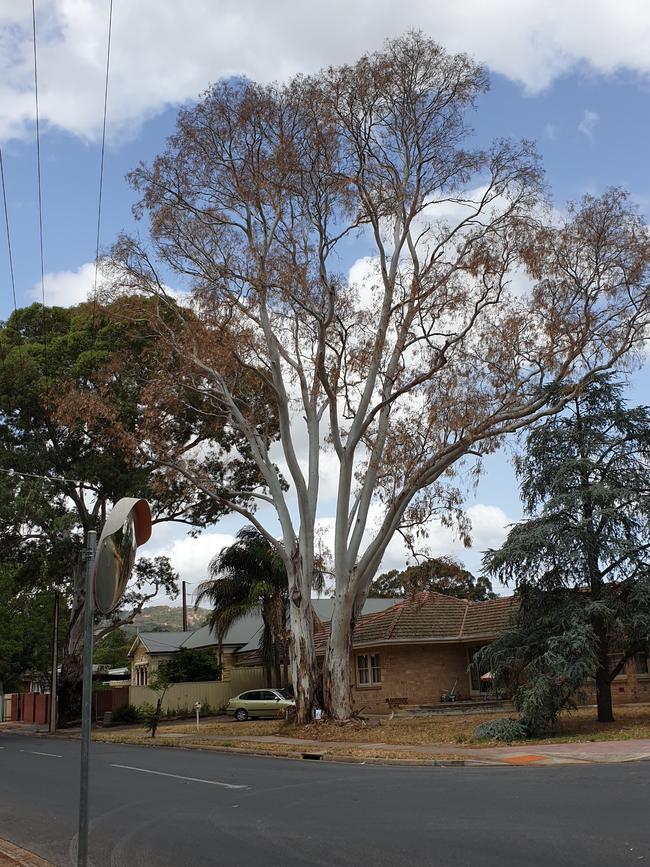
164, 807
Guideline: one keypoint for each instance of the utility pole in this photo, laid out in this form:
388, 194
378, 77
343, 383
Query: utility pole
86, 702
184, 606
55, 663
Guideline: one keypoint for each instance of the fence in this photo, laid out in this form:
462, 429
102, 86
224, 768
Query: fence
105, 700
213, 693
29, 707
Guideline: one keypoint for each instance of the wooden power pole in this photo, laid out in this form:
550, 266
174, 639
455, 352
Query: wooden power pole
55, 663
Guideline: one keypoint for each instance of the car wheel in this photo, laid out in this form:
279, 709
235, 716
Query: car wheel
241, 715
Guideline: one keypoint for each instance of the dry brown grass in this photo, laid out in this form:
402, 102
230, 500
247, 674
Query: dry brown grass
230, 727
422, 730
632, 721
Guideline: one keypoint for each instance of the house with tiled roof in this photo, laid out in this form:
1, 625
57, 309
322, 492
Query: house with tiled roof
404, 651
239, 649
419, 648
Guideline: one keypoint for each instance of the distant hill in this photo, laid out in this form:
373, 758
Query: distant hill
167, 618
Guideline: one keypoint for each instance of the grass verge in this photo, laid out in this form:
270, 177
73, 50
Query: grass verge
632, 722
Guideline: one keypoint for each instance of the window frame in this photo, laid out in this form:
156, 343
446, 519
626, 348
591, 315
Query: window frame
370, 674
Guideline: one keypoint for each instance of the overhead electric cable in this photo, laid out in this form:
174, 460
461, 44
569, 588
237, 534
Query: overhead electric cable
10, 255
52, 479
38, 172
11, 258
101, 165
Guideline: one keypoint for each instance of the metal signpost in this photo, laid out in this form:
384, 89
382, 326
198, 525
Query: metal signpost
108, 566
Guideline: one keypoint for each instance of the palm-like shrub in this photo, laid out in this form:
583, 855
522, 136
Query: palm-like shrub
248, 577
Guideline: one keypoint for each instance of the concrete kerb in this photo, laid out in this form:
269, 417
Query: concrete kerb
546, 755
14, 856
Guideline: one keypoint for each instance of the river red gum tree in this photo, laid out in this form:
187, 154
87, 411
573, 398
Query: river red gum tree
429, 358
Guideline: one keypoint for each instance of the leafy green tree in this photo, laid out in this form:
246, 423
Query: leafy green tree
71, 443
25, 631
248, 577
189, 665
113, 649
159, 682
441, 574
580, 562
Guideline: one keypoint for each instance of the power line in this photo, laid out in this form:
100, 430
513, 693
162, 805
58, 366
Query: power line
101, 167
38, 171
11, 258
52, 479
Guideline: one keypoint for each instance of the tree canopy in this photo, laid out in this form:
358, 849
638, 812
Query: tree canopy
72, 443
25, 632
441, 574
113, 649
189, 665
580, 563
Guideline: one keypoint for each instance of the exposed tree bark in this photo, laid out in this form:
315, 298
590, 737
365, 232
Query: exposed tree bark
592, 561
69, 687
277, 671
285, 663
603, 681
337, 666
303, 657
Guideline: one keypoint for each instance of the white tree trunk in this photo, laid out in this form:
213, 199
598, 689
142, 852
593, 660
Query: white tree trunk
303, 658
337, 669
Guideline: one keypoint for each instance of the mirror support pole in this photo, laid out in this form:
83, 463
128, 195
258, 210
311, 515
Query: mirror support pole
87, 700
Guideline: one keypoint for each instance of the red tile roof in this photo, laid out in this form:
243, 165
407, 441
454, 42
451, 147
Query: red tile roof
430, 616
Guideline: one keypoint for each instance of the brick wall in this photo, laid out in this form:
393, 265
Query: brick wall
628, 688
419, 673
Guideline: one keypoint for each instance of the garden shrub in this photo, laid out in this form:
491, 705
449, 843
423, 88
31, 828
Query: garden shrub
128, 713
507, 730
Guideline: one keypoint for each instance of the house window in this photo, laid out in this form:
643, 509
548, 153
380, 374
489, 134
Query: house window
368, 669
141, 675
641, 663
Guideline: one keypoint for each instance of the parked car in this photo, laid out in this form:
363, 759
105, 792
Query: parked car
260, 703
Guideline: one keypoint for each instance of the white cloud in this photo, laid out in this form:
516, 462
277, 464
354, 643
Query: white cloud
365, 278
65, 288
190, 557
489, 530
163, 55
588, 123
550, 131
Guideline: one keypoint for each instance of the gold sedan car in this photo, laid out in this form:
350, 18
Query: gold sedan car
258, 703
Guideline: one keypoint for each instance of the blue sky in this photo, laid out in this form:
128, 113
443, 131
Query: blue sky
578, 86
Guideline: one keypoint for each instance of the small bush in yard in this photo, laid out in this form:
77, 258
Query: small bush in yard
501, 730
128, 713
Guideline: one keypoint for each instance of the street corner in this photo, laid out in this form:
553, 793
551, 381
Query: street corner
14, 856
